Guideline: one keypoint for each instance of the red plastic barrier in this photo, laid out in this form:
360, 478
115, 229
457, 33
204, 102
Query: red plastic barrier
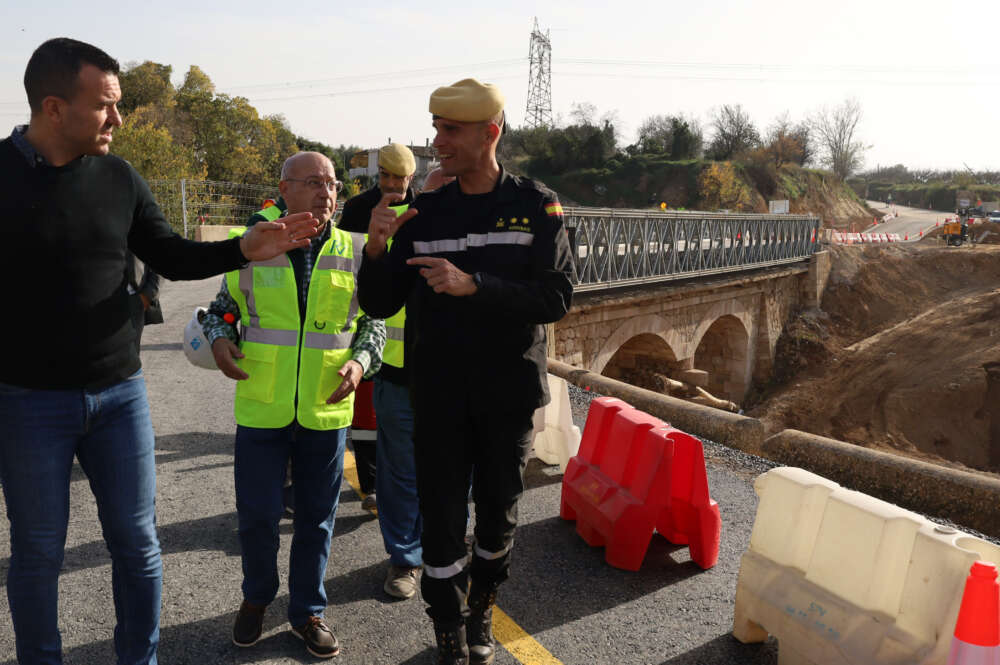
364, 407
634, 474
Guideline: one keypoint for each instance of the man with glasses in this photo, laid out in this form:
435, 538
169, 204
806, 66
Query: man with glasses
305, 347
396, 475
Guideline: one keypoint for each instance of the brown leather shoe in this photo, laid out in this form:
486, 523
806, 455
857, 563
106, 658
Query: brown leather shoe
249, 624
320, 640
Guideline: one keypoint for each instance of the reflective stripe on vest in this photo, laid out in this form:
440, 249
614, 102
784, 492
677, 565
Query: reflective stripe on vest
292, 374
393, 353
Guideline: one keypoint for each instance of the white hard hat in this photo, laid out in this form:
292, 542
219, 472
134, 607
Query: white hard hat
196, 346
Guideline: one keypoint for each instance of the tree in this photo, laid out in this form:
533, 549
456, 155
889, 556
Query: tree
655, 135
733, 132
787, 143
721, 188
674, 136
835, 131
153, 151
145, 84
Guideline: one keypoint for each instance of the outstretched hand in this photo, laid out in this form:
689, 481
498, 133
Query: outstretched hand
265, 240
383, 224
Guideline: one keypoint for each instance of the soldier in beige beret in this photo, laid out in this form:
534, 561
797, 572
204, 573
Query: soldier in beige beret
393, 478
482, 263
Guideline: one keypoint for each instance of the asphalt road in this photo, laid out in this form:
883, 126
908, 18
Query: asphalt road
562, 593
910, 220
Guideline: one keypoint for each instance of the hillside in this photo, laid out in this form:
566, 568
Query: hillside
897, 356
706, 185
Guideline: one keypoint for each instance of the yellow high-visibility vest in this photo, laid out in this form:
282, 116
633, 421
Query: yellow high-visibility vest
285, 358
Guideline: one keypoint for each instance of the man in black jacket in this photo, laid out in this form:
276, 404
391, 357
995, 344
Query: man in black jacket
482, 264
75, 387
396, 166
398, 509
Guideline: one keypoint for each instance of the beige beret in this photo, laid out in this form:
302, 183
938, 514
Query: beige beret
397, 159
467, 101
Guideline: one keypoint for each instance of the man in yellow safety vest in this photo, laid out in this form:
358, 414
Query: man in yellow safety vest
303, 350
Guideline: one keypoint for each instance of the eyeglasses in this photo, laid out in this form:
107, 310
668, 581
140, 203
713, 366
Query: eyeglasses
317, 183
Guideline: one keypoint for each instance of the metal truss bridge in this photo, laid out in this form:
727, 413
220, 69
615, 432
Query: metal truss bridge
617, 247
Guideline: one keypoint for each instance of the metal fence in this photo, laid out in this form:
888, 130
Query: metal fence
188, 203
614, 248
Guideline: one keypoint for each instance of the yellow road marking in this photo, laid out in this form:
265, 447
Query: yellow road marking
520, 645
514, 639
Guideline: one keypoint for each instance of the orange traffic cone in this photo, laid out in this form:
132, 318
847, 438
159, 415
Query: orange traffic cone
907, 237
977, 631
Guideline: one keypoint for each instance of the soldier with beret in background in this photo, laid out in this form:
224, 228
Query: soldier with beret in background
482, 264
394, 477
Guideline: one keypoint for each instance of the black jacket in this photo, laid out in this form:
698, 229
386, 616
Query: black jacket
82, 217
358, 209
490, 346
354, 218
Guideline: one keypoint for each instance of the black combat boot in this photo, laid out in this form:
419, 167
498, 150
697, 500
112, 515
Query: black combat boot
479, 625
452, 649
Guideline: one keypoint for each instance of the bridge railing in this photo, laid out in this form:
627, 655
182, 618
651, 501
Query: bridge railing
617, 247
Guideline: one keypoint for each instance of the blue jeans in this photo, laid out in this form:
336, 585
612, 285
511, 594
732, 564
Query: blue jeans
317, 470
110, 433
396, 474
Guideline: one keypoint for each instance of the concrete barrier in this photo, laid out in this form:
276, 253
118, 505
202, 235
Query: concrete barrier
556, 438
967, 498
211, 232
841, 578
970, 499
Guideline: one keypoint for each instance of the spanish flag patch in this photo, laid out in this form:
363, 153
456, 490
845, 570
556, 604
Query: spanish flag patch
553, 209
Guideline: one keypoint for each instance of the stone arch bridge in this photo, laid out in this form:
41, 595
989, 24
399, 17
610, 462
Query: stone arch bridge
710, 313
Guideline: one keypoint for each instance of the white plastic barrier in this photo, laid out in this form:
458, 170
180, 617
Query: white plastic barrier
842, 578
557, 439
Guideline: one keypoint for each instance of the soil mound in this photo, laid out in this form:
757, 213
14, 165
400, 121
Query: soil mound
894, 359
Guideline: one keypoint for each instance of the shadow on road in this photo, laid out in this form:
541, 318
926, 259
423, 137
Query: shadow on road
726, 650
217, 533
563, 566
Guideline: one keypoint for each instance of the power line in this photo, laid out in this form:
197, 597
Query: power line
425, 71
340, 93
907, 69
765, 79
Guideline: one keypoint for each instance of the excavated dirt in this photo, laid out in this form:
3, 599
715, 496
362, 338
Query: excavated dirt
894, 358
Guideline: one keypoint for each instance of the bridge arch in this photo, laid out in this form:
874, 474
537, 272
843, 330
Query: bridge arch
640, 358
724, 352
638, 327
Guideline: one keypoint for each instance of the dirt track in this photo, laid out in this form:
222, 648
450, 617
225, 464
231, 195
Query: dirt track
894, 358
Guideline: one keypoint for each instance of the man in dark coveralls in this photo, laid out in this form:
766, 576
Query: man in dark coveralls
481, 264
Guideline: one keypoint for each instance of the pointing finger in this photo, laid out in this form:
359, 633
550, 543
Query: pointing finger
429, 261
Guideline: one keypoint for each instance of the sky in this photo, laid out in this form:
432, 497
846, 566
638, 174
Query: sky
927, 76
